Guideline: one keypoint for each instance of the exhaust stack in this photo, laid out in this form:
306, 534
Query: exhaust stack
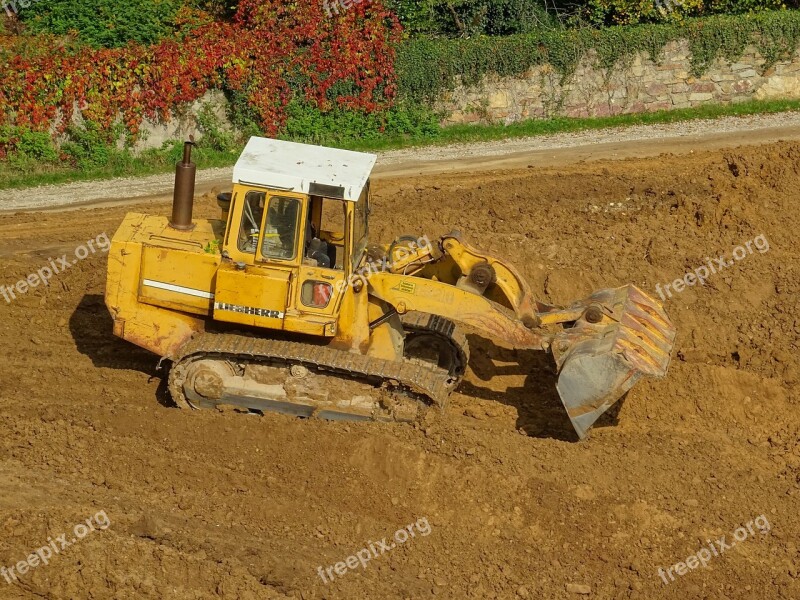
183, 197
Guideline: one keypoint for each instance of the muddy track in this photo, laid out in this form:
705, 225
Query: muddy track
219, 504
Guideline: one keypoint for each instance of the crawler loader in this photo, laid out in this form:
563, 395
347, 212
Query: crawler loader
283, 304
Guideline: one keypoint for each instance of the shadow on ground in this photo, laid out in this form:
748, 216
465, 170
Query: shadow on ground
540, 411
93, 331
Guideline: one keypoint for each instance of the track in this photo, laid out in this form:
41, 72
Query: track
416, 383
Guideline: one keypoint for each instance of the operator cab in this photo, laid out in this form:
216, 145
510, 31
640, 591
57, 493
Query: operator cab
296, 229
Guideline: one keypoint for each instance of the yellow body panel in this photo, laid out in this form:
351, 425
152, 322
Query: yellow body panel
161, 329
301, 317
437, 298
179, 279
252, 295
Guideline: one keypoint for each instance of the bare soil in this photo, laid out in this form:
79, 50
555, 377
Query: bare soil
219, 504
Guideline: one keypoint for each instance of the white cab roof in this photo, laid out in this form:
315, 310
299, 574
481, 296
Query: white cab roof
295, 167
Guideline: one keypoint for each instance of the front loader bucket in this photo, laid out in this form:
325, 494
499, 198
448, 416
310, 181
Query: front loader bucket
599, 362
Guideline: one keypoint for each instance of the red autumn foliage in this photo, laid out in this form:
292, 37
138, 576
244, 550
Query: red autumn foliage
271, 51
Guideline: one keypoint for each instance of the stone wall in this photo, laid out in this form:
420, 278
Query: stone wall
184, 123
640, 86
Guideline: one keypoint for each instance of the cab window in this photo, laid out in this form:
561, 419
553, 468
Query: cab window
279, 238
252, 217
281, 229
325, 233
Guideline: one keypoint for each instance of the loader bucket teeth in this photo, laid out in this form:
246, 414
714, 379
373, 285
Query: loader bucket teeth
599, 362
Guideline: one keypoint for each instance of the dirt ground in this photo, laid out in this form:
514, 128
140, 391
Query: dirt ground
217, 504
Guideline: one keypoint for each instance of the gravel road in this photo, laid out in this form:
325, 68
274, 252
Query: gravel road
565, 148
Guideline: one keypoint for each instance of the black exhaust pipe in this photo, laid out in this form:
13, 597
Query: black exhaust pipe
183, 197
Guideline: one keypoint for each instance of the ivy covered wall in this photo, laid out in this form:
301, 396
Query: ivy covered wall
614, 70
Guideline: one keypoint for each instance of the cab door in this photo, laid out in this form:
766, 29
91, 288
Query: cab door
255, 286
322, 280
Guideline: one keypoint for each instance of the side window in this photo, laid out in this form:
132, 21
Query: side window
281, 231
325, 233
252, 216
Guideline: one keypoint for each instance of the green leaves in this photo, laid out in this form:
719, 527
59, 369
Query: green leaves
338, 127
88, 146
461, 18
427, 68
104, 23
631, 12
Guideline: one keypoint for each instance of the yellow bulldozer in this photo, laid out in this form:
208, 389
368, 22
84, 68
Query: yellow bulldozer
284, 305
